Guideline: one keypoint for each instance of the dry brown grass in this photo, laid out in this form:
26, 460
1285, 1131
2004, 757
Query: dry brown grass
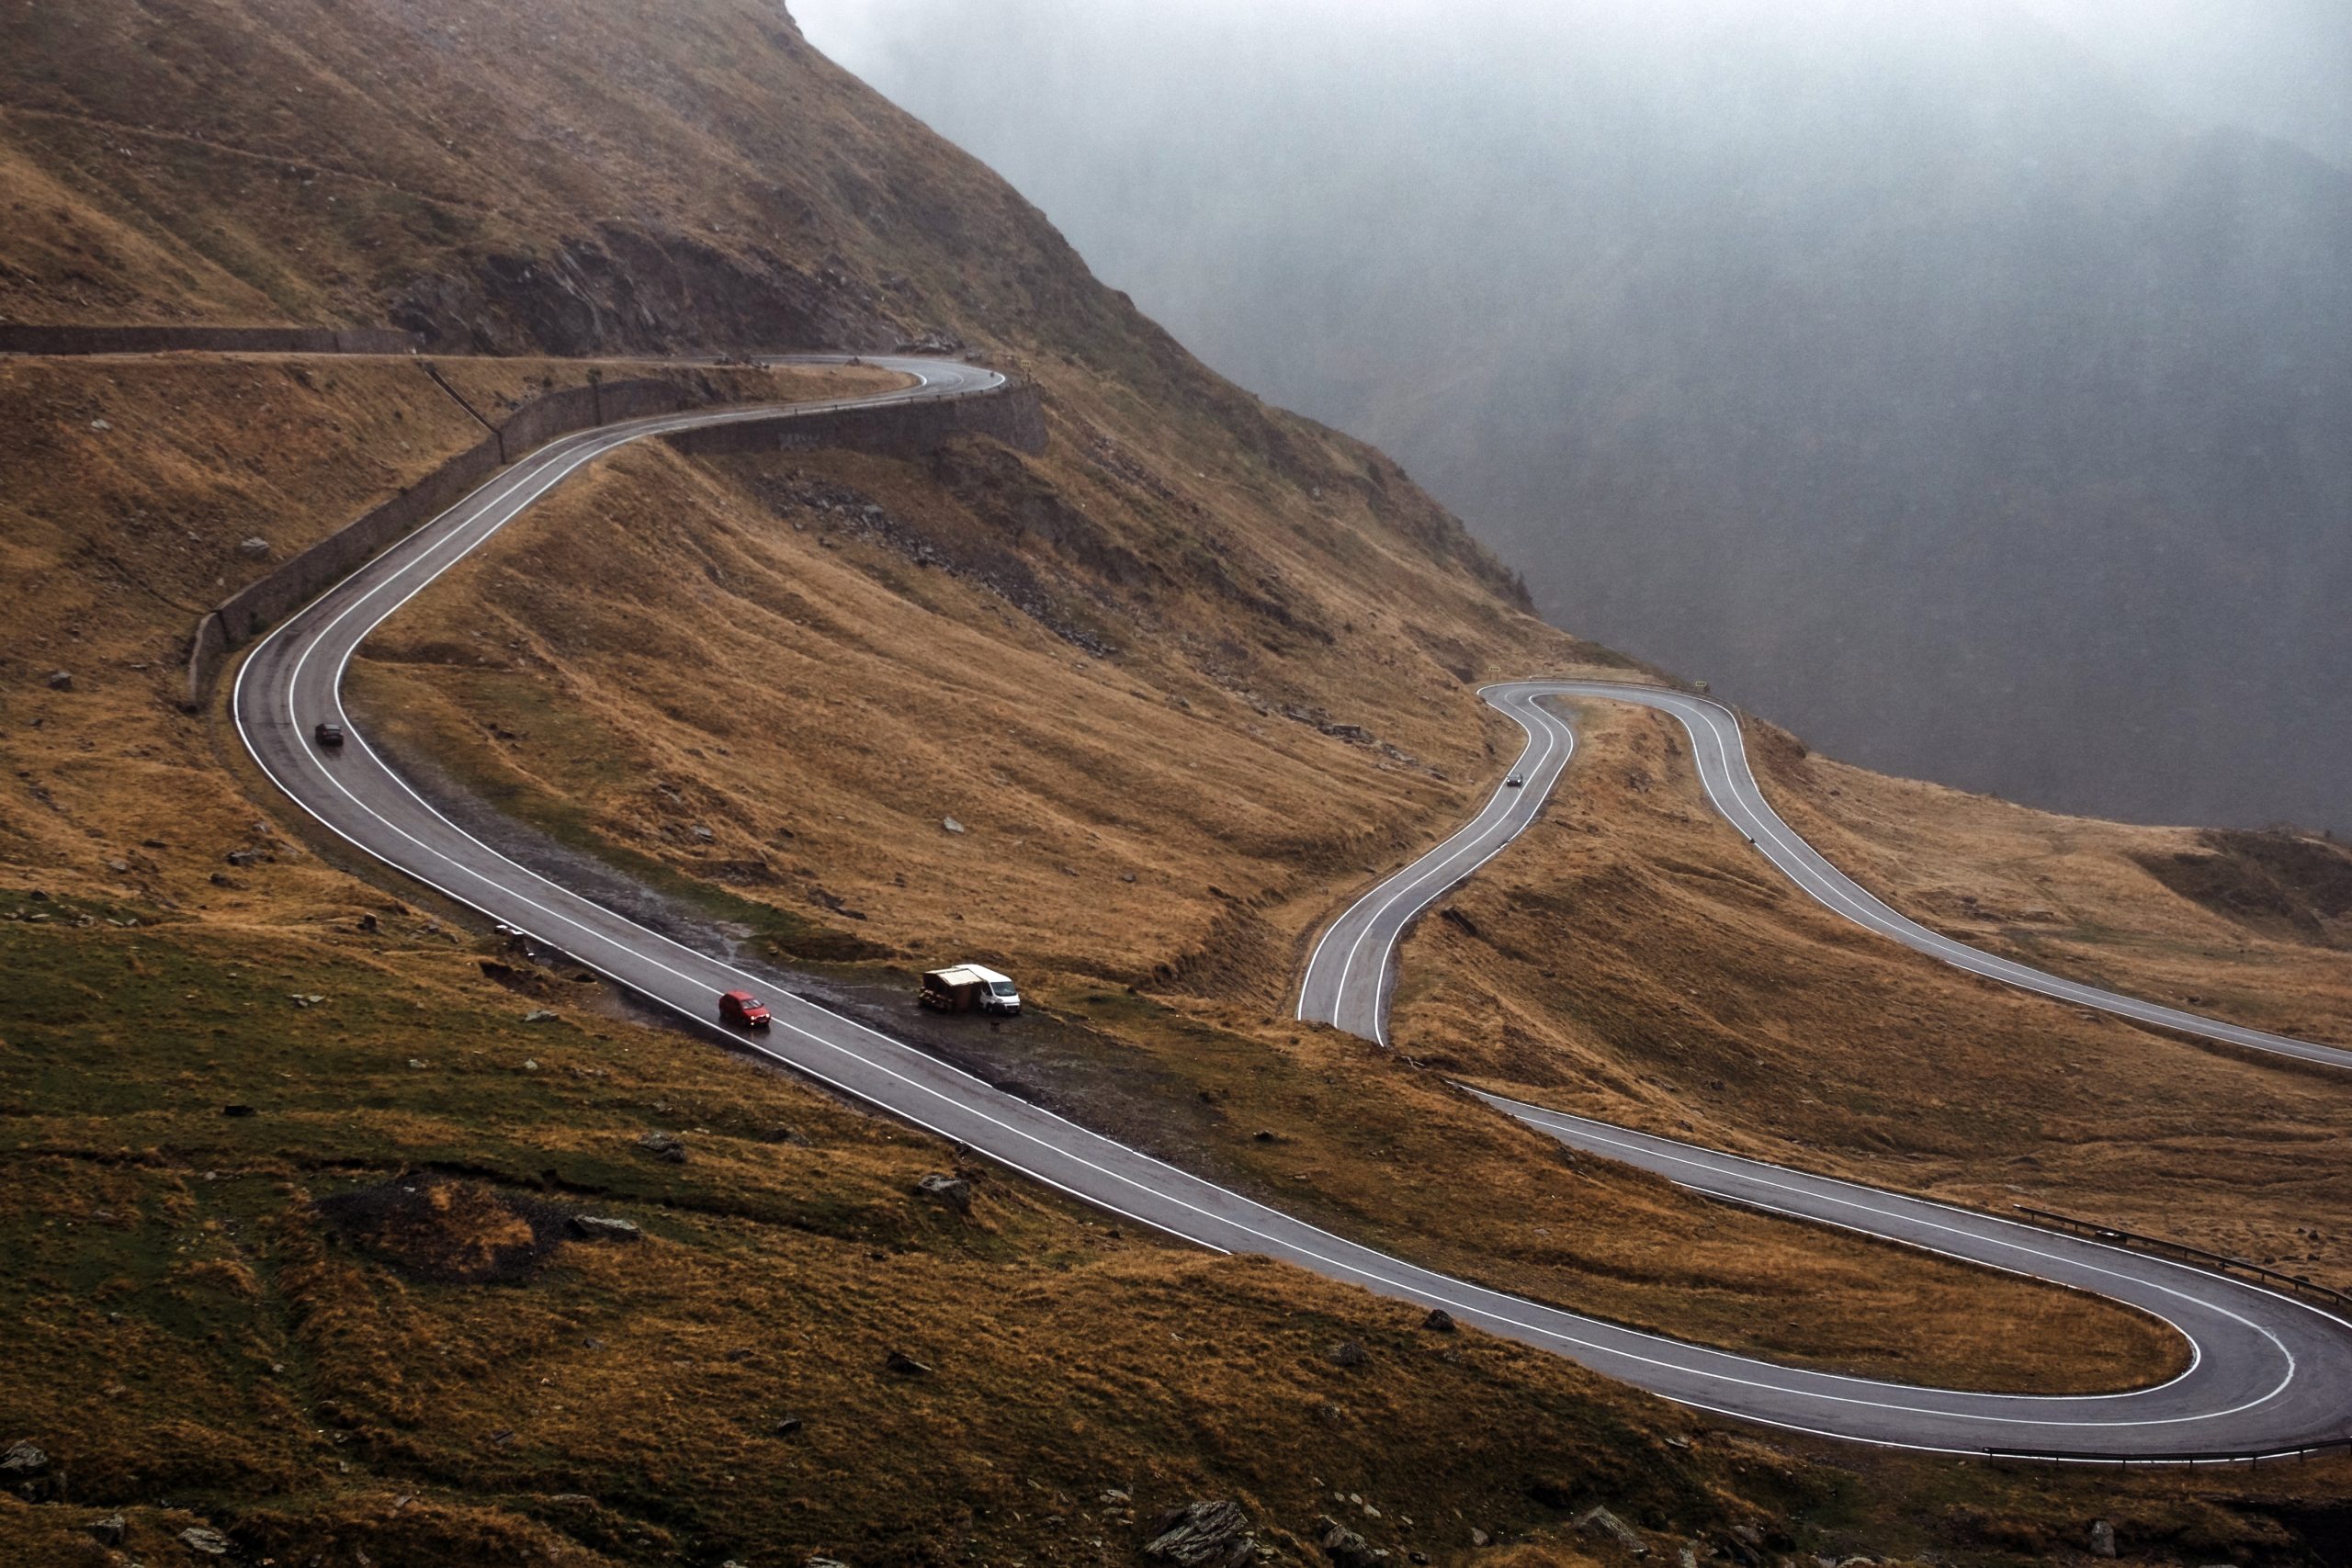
819, 703
275, 160
132, 483
193, 1347
119, 1062
2080, 897
190, 1326
1637, 961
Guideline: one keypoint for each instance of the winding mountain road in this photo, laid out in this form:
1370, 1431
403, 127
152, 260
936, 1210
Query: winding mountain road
2267, 1374
1724, 772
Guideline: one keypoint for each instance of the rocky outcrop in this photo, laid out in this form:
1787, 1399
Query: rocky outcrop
624, 289
1214, 1533
26, 1472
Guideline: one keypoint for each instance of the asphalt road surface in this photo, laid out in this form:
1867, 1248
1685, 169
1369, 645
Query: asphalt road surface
2268, 1373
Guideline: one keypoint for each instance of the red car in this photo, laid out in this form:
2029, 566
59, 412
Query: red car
740, 1010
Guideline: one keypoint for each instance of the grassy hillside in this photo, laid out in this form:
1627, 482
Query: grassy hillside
355, 1314
1707, 996
1181, 683
787, 705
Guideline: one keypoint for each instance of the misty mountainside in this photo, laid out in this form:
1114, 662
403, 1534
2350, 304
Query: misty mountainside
1918, 382
562, 178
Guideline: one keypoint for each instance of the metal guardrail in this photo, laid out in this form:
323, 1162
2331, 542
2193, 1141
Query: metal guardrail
2244, 1457
2220, 1262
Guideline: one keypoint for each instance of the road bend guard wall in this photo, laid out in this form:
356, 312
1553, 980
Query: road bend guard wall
1009, 413
266, 600
19, 338
1012, 415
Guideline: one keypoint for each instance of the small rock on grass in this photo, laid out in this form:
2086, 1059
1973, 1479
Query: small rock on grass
209, 1543
109, 1531
948, 824
601, 1227
1439, 1321
27, 1472
2103, 1539
1344, 1547
664, 1147
60, 679
1347, 1353
1603, 1525
906, 1366
952, 1190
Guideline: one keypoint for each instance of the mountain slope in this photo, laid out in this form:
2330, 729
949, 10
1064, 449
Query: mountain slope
1923, 386
224, 1077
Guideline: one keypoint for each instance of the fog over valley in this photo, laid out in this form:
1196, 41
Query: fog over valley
1964, 385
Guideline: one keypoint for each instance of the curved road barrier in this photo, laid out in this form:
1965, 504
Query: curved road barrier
2266, 1372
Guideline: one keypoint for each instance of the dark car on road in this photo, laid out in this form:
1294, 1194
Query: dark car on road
328, 734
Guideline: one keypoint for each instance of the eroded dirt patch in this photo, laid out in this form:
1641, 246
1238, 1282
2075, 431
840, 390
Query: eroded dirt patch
438, 1227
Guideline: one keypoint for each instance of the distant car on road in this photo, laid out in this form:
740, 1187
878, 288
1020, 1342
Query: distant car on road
1514, 782
328, 734
740, 1010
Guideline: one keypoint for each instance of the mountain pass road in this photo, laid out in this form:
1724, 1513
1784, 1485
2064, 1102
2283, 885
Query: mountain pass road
2267, 1373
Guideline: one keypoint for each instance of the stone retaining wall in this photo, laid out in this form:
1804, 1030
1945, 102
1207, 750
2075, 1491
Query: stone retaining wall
20, 338
1012, 415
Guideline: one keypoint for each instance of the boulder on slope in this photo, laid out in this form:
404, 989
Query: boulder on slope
1207, 1533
